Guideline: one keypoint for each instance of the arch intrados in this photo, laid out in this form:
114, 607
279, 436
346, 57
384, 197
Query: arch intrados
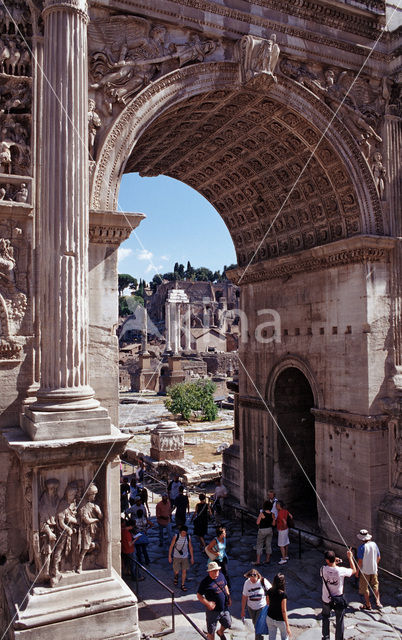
293, 361
178, 86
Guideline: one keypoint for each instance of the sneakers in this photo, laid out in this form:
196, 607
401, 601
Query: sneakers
282, 561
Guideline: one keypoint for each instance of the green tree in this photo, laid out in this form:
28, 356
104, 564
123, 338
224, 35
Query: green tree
192, 398
124, 309
204, 274
189, 272
156, 281
124, 281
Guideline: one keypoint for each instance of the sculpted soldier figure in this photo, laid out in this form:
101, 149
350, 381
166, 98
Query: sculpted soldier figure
65, 521
47, 523
89, 515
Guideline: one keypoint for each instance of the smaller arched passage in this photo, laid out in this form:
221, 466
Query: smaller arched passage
295, 460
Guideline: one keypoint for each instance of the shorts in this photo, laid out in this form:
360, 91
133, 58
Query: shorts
180, 564
365, 580
283, 538
213, 617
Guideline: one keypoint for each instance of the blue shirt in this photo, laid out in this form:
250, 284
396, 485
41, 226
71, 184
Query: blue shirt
214, 590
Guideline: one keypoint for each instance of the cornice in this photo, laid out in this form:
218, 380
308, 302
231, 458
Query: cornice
252, 402
112, 227
224, 13
357, 249
354, 421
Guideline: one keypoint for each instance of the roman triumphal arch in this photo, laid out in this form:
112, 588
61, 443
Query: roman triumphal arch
287, 118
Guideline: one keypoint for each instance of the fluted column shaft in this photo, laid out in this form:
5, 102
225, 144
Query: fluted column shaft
64, 210
394, 153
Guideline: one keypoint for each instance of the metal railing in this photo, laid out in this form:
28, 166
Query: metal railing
245, 513
174, 604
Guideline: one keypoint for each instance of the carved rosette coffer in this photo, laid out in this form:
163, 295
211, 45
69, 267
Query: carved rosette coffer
257, 59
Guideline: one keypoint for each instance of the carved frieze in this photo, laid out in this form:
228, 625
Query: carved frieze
13, 300
127, 53
67, 526
347, 420
357, 100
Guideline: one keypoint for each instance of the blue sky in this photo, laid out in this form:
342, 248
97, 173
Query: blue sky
180, 225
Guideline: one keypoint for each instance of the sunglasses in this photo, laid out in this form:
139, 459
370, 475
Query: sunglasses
253, 575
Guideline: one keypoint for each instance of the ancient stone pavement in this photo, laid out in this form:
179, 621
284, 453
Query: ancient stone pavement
303, 588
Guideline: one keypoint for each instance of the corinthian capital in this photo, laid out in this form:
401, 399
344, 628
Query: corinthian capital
80, 6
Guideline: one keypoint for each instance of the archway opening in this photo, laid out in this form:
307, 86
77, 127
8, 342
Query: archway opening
294, 400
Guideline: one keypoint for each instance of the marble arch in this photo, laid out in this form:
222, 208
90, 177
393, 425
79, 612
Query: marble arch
199, 90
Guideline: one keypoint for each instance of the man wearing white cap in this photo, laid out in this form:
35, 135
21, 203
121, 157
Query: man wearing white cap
368, 557
214, 594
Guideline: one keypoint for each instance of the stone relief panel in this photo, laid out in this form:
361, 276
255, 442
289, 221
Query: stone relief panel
15, 88
126, 53
257, 59
68, 527
13, 290
359, 101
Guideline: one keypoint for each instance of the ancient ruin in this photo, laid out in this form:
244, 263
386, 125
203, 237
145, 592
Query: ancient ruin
286, 116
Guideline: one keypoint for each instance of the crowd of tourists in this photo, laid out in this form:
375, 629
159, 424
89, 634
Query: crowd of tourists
265, 602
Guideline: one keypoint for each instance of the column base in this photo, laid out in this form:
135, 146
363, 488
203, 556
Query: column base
61, 425
103, 609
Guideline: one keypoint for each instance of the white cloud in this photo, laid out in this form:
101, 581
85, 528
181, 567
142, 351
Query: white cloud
153, 267
123, 254
165, 258
144, 255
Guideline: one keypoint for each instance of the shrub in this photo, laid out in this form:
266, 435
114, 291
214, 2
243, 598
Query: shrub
192, 398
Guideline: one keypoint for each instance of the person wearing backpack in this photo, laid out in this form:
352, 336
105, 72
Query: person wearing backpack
179, 551
254, 596
332, 591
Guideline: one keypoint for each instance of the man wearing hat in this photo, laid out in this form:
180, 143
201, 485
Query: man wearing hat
214, 594
368, 557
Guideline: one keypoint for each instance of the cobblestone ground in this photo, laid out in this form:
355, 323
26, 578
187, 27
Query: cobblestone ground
303, 589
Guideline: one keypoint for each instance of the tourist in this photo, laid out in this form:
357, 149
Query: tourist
140, 471
144, 499
200, 518
265, 522
214, 594
277, 618
282, 524
179, 551
173, 489
142, 524
216, 550
332, 585
368, 557
163, 517
124, 494
182, 505
219, 494
135, 506
133, 488
127, 548
254, 596
273, 502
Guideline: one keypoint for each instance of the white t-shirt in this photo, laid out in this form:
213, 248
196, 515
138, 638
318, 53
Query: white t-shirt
220, 492
180, 548
254, 591
334, 577
369, 554
174, 489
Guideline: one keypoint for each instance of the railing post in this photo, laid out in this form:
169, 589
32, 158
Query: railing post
173, 618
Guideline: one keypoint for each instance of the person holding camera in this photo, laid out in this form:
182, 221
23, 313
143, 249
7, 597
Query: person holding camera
179, 551
332, 591
265, 523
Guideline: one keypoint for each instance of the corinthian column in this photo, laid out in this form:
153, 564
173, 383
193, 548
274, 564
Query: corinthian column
64, 221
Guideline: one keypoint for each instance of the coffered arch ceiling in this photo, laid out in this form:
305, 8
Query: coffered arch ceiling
244, 152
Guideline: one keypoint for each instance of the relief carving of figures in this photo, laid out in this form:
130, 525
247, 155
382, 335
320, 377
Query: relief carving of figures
89, 515
358, 102
135, 53
14, 193
15, 97
13, 302
48, 504
379, 172
66, 527
15, 19
15, 57
94, 122
258, 57
14, 150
